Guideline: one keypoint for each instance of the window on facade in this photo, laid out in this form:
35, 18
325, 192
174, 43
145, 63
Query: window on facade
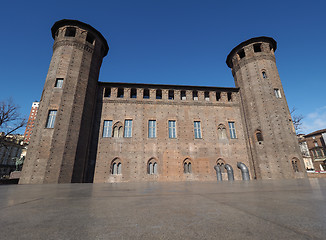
128, 128
316, 144
229, 96
221, 164
58, 83
116, 167
171, 94
277, 93
152, 129
107, 92
295, 165
257, 47
187, 166
197, 129
241, 54
146, 94
319, 153
194, 95
259, 136
183, 95
107, 128
218, 96
90, 38
51, 119
158, 94
70, 32
172, 129
117, 130
264, 74
152, 167
206, 96
120, 93
133, 93
232, 130
221, 132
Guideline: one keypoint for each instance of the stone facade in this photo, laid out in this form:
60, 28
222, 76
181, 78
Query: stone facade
90, 131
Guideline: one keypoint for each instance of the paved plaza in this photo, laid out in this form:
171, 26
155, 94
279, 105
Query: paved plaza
287, 209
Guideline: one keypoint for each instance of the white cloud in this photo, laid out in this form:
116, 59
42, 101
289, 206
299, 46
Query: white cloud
315, 120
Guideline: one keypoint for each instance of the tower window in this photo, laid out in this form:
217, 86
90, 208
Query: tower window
195, 95
51, 119
171, 94
206, 96
197, 129
277, 93
152, 166
257, 47
232, 130
120, 92
146, 94
107, 92
107, 128
172, 129
158, 94
90, 38
264, 74
218, 96
241, 54
116, 167
128, 128
133, 93
152, 129
187, 166
58, 83
229, 96
183, 95
70, 32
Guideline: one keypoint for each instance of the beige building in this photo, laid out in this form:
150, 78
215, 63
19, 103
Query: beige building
90, 131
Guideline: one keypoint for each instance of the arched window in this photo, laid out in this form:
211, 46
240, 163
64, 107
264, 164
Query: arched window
259, 136
295, 165
221, 131
264, 74
221, 163
116, 167
152, 166
117, 130
187, 166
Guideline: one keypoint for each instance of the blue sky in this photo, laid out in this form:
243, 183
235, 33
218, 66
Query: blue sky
171, 42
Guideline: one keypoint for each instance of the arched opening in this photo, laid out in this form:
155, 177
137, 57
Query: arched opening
221, 129
187, 168
259, 136
117, 130
116, 167
221, 163
152, 166
295, 165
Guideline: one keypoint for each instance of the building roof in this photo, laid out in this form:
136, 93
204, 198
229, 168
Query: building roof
167, 86
65, 22
316, 132
252, 40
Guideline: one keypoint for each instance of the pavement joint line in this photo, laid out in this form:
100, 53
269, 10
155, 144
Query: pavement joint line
21, 203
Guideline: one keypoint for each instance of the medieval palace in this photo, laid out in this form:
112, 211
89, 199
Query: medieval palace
90, 131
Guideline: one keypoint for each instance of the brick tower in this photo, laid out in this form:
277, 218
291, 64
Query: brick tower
59, 147
271, 138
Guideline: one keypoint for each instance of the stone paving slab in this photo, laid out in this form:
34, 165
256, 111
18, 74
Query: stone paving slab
287, 209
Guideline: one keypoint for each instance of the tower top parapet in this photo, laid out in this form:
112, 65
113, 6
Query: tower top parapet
250, 41
65, 22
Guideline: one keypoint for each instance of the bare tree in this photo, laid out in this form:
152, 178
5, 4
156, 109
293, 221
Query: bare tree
10, 119
296, 119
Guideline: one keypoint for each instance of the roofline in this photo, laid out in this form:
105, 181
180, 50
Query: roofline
64, 22
315, 132
168, 86
251, 40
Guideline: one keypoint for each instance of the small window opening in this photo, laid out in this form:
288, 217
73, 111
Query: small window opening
133, 93
70, 32
171, 94
58, 83
146, 94
183, 95
107, 92
158, 94
90, 38
206, 96
229, 96
257, 47
195, 95
259, 136
218, 96
120, 92
241, 54
277, 93
264, 74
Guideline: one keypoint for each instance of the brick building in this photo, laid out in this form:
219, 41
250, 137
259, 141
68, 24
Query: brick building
317, 148
31, 122
90, 131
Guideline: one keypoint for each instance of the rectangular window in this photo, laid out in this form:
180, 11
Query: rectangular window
133, 93
195, 95
171, 94
206, 96
183, 95
146, 94
107, 92
197, 129
120, 93
128, 128
107, 128
152, 129
158, 94
172, 129
232, 130
59, 83
277, 93
51, 119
